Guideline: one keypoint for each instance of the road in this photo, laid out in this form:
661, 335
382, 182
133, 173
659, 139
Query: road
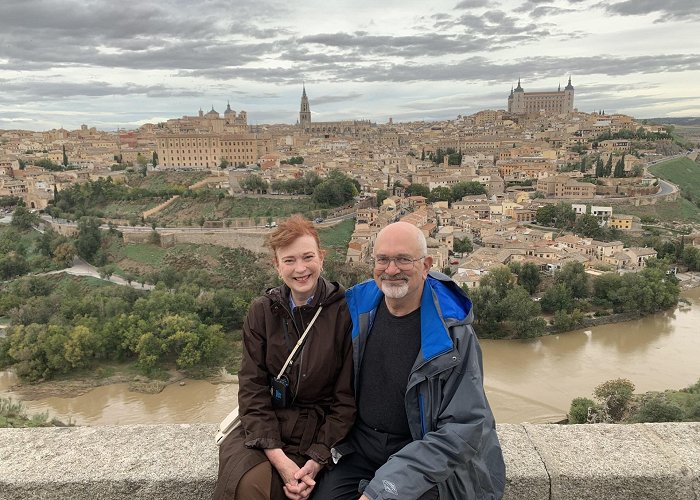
82, 268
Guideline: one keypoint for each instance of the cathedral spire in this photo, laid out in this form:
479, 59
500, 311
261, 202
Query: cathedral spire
305, 109
568, 85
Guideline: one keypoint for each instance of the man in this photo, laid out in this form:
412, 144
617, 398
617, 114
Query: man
424, 426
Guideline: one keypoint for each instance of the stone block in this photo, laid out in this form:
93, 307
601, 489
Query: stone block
614, 462
526, 476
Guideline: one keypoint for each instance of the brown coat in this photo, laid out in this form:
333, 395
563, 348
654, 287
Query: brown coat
323, 408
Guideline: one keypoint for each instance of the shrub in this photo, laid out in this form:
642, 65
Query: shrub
658, 409
615, 395
692, 412
578, 412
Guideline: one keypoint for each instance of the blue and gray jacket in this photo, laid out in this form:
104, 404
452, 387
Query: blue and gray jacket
454, 445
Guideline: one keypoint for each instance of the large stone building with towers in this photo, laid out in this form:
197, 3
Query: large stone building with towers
349, 127
524, 103
210, 141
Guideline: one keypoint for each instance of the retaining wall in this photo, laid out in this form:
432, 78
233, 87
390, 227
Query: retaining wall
179, 462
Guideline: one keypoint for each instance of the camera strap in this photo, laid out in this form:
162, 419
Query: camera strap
300, 342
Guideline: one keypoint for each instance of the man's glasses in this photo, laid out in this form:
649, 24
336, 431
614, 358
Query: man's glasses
404, 263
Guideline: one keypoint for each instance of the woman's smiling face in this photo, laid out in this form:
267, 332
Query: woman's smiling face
299, 265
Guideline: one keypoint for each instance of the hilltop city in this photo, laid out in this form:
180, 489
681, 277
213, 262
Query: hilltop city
503, 165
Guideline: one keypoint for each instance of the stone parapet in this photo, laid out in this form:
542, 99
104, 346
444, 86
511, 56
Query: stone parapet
179, 462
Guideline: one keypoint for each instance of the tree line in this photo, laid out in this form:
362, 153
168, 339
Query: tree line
504, 306
81, 200
62, 324
615, 402
335, 190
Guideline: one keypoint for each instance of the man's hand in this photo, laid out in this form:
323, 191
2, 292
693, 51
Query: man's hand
364, 498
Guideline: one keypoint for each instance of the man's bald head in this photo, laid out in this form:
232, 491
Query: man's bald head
403, 231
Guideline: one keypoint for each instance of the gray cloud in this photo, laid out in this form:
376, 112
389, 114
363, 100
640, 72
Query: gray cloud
43, 90
472, 4
328, 99
479, 69
63, 52
681, 10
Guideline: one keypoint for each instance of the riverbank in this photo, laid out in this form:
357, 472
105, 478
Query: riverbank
83, 383
532, 380
112, 374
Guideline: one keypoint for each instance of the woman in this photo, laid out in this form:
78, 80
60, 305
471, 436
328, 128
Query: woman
277, 452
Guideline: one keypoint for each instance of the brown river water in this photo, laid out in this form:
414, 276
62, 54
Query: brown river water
526, 381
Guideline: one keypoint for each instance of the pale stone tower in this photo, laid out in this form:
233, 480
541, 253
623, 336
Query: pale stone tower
569, 96
305, 111
516, 100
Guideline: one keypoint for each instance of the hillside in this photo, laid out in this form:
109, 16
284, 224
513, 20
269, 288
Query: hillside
679, 120
683, 172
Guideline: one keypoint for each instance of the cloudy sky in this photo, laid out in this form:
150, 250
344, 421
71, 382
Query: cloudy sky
121, 64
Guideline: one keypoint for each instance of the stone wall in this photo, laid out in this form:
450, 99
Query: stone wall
250, 240
179, 462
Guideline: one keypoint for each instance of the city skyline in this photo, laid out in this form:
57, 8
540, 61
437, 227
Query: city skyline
65, 63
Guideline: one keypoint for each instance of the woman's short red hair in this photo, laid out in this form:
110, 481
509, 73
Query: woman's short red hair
289, 230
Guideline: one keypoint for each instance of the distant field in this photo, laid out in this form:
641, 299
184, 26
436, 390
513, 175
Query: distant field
129, 209
666, 211
690, 132
335, 239
163, 180
683, 172
187, 211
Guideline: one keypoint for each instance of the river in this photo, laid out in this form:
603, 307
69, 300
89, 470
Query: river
526, 380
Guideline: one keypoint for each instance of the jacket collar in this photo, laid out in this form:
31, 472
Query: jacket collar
442, 302
326, 293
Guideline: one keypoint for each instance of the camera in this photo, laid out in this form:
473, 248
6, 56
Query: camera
279, 389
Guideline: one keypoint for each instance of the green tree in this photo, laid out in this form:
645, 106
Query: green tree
564, 321
658, 409
529, 277
587, 226
154, 159
254, 183
691, 257
65, 156
462, 189
418, 190
564, 216
545, 215
557, 297
382, 195
463, 245
620, 167
141, 160
607, 170
614, 396
599, 167
522, 313
578, 411
338, 189
89, 238
440, 193
224, 164
574, 276
23, 219
500, 279
64, 254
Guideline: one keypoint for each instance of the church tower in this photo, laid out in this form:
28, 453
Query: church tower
569, 96
305, 111
516, 100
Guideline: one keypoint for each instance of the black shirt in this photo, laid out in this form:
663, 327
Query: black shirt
391, 350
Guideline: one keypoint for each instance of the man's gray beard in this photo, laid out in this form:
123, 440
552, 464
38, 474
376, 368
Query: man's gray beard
395, 292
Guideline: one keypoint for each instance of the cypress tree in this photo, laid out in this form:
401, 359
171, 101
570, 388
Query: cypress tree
608, 167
